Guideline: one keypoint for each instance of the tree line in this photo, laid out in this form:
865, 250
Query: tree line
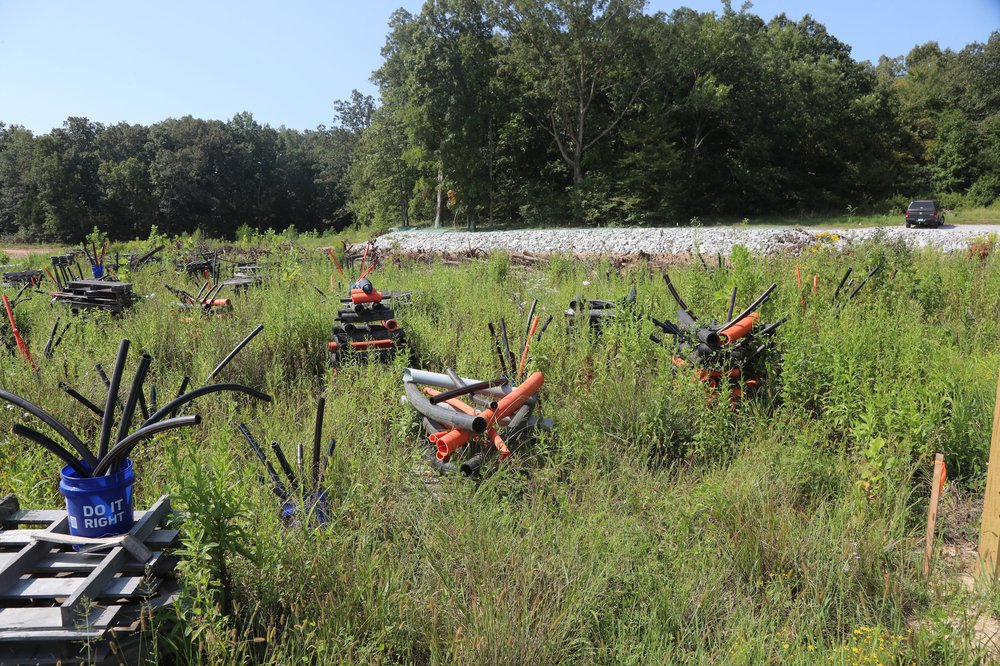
546, 112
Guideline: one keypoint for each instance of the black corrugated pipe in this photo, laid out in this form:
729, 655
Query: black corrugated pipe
53, 423
180, 401
133, 396
121, 450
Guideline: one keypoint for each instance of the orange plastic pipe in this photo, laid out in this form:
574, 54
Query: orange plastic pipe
815, 283
335, 263
527, 346
372, 344
221, 303
514, 400
494, 436
332, 345
358, 296
449, 442
798, 276
739, 329
390, 324
364, 258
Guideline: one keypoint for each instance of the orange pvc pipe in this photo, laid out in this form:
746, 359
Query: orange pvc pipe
372, 344
739, 329
465, 408
798, 276
815, 283
221, 303
449, 442
527, 346
364, 258
358, 296
332, 345
514, 400
390, 324
335, 263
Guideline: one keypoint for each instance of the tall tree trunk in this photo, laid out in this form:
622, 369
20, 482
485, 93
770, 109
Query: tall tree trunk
440, 196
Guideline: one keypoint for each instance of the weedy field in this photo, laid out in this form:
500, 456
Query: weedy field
653, 525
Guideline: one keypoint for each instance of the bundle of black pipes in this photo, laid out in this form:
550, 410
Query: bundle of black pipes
81, 295
108, 455
366, 324
30, 277
594, 311
304, 498
730, 353
207, 266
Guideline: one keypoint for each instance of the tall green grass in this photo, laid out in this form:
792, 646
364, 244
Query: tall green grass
653, 525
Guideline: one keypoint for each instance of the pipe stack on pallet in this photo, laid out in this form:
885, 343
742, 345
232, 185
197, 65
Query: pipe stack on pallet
366, 324
727, 354
22, 277
595, 312
113, 297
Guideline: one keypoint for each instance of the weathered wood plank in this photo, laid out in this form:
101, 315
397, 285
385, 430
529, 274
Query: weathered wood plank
18, 538
71, 562
28, 623
53, 588
25, 558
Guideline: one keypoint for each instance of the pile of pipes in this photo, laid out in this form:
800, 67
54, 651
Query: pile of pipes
206, 301
208, 266
30, 276
245, 276
366, 325
113, 297
63, 265
113, 452
727, 354
500, 417
595, 312
465, 435
304, 498
136, 261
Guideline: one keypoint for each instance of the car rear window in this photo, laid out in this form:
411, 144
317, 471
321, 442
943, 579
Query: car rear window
922, 205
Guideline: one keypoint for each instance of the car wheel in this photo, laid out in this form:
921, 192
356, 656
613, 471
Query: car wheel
908, 225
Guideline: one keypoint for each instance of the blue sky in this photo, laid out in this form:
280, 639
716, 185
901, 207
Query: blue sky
286, 62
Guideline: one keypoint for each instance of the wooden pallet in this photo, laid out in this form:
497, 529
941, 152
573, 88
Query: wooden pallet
57, 604
96, 294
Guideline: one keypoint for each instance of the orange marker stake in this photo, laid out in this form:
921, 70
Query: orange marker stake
798, 276
21, 347
815, 283
364, 258
335, 263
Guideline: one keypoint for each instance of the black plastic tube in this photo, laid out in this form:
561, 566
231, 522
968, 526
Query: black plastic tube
236, 351
133, 396
443, 415
770, 328
201, 291
327, 457
496, 345
283, 462
50, 446
511, 434
82, 400
317, 438
544, 326
512, 362
259, 452
53, 423
843, 281
107, 421
121, 450
152, 400
47, 350
178, 402
864, 282
677, 297
527, 325
184, 384
753, 306
467, 389
732, 304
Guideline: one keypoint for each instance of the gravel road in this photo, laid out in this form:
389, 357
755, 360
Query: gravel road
668, 241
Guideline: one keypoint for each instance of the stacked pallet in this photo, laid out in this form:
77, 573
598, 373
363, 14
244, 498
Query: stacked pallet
66, 602
114, 297
367, 325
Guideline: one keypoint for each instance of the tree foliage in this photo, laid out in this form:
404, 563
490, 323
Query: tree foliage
545, 112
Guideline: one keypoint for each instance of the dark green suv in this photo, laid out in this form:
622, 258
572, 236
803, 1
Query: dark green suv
924, 212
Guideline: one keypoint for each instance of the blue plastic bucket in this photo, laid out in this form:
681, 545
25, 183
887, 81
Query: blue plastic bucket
98, 506
98, 271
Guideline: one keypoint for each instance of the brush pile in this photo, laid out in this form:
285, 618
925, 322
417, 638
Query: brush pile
595, 312
728, 354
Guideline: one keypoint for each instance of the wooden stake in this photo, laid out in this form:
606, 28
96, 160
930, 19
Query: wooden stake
989, 533
936, 485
